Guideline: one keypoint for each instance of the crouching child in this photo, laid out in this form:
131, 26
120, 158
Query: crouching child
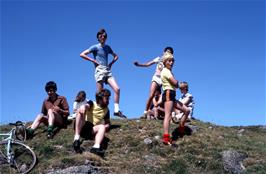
93, 119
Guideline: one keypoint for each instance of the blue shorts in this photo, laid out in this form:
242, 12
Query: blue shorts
169, 95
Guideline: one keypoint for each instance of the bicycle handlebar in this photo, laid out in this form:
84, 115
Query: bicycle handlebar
18, 123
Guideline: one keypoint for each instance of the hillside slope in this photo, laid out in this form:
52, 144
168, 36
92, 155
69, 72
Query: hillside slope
134, 146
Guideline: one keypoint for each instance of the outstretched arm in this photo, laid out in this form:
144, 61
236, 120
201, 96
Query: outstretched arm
84, 56
144, 64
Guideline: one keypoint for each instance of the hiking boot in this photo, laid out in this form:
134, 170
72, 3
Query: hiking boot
119, 114
29, 133
50, 134
97, 151
76, 146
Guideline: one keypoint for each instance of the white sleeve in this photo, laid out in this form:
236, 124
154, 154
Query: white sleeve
75, 105
156, 60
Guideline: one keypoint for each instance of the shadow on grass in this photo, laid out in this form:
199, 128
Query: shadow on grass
176, 134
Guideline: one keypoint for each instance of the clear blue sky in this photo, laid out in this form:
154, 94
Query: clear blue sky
219, 50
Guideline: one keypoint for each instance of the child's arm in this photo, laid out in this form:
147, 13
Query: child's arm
173, 81
84, 56
155, 60
114, 60
147, 64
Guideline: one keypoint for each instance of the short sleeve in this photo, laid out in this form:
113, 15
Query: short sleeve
92, 48
168, 74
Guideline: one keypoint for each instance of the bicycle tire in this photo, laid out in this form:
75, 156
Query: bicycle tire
24, 159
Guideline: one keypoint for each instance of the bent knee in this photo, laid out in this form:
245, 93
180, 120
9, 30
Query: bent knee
40, 117
82, 109
117, 90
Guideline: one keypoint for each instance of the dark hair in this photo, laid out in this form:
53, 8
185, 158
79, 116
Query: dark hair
170, 49
81, 96
99, 95
101, 31
50, 85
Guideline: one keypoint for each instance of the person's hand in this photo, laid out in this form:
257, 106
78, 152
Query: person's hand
56, 109
96, 63
110, 65
136, 63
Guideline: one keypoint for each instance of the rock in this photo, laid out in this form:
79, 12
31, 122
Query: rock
147, 141
232, 161
157, 137
240, 131
77, 170
194, 129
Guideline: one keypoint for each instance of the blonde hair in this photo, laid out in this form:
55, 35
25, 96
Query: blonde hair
167, 56
183, 85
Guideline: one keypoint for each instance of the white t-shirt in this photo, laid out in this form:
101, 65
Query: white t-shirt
191, 101
77, 105
159, 66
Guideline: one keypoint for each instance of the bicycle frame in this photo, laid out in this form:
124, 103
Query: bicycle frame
9, 140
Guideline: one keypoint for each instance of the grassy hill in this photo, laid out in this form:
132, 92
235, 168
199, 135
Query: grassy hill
134, 146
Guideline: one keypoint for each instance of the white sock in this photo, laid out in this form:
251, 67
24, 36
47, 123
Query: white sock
116, 107
96, 146
76, 137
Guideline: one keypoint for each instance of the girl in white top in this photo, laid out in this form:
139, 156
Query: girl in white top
80, 100
187, 99
156, 79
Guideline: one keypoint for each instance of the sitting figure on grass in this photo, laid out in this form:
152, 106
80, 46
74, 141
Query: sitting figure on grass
157, 108
187, 99
55, 111
79, 101
93, 120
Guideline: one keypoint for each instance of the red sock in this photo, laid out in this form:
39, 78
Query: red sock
166, 139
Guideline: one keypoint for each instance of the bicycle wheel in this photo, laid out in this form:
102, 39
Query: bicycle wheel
22, 160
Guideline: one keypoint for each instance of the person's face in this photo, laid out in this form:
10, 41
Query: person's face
105, 101
102, 38
51, 92
169, 63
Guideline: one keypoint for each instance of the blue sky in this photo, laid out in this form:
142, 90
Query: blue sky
219, 50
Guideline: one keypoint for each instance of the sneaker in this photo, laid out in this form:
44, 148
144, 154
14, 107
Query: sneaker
71, 117
97, 151
76, 146
119, 114
50, 134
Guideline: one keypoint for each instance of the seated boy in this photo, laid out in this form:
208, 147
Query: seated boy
93, 119
186, 99
54, 112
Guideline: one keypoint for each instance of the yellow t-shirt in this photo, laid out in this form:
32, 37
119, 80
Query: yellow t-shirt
165, 76
96, 114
